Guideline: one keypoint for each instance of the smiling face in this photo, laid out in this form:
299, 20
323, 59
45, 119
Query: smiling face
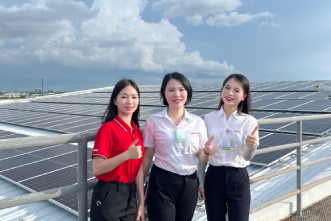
127, 101
232, 93
175, 94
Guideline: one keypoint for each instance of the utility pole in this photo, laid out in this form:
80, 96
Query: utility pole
89, 86
42, 85
15, 89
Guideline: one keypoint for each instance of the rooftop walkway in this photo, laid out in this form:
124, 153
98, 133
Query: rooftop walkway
320, 211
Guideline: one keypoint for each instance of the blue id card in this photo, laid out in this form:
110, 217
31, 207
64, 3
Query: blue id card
226, 143
180, 134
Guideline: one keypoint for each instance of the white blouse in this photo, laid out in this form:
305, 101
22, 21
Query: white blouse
234, 132
170, 154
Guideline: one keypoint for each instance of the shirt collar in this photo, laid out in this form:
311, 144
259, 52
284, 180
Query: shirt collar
122, 124
235, 113
164, 114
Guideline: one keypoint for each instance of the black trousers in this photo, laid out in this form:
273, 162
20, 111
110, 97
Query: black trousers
114, 201
171, 197
227, 189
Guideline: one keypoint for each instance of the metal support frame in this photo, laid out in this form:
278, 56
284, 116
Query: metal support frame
299, 171
82, 180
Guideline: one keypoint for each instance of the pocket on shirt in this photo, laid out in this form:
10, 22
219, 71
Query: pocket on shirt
237, 139
192, 143
237, 136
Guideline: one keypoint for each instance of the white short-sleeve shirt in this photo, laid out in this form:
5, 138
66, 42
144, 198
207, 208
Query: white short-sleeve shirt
170, 154
236, 129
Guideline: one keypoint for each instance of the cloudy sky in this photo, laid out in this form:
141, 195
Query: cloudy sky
97, 42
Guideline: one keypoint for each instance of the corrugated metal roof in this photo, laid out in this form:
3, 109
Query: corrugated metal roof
43, 210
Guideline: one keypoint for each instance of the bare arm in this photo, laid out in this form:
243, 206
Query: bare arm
140, 193
148, 157
209, 150
102, 165
202, 156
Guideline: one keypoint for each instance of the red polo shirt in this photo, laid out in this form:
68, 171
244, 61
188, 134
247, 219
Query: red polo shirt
112, 139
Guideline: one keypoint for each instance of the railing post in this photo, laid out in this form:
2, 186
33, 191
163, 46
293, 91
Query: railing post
82, 180
299, 171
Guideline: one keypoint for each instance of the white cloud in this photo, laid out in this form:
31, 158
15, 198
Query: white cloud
234, 18
219, 12
181, 8
195, 19
270, 24
111, 34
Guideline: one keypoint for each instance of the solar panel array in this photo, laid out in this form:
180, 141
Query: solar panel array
44, 168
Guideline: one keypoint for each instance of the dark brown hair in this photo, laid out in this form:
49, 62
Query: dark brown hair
112, 111
243, 106
182, 79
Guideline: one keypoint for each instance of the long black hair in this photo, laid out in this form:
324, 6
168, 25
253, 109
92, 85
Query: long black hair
243, 106
112, 111
182, 79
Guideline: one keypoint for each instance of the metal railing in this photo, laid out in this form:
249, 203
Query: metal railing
83, 185
299, 165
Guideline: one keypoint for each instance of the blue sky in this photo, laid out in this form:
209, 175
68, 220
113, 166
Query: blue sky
77, 43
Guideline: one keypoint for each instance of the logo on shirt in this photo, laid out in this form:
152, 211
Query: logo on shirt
95, 149
192, 133
236, 132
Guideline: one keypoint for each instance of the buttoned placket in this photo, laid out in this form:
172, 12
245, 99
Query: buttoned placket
181, 149
226, 135
133, 132
180, 145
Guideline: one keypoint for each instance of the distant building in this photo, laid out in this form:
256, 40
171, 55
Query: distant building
37, 91
51, 91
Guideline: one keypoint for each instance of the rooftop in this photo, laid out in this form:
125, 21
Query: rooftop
80, 112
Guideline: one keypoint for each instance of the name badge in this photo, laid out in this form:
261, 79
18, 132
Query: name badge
226, 143
180, 134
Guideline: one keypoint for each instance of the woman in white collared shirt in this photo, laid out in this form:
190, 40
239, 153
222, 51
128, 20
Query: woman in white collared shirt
227, 188
176, 138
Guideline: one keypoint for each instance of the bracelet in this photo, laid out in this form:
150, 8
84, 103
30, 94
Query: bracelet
205, 152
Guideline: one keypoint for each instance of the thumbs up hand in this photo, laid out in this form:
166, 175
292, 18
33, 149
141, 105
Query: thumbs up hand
251, 139
134, 152
210, 147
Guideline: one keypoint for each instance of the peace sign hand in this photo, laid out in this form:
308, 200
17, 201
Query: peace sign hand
251, 139
210, 147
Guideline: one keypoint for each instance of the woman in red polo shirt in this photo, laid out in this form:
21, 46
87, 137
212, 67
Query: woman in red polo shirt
117, 157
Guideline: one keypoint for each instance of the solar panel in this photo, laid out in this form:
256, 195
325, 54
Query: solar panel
273, 139
263, 103
297, 95
284, 104
314, 106
52, 151
31, 170
16, 161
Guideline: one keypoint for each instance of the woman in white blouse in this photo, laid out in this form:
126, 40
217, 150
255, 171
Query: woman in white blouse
175, 137
227, 188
